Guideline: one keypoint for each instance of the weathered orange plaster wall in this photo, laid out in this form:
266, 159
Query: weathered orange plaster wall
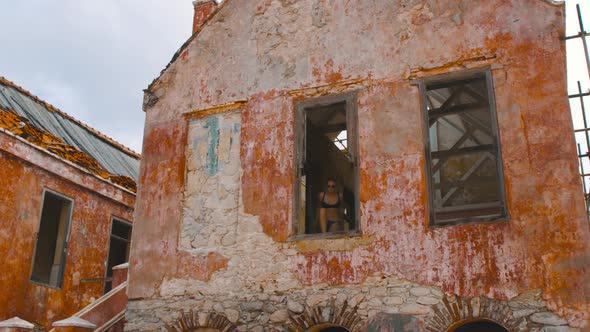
21, 188
273, 53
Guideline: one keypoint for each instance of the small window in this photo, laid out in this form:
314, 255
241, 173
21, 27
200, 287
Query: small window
118, 248
326, 162
463, 158
51, 244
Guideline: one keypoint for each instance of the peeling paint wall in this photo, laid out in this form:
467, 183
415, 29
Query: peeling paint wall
278, 52
26, 172
213, 180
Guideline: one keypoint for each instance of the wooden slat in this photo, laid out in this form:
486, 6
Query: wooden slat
469, 107
461, 151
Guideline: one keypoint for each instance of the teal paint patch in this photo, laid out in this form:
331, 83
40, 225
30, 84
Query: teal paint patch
212, 124
236, 130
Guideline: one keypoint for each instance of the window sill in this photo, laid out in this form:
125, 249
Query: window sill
336, 241
39, 283
324, 236
472, 221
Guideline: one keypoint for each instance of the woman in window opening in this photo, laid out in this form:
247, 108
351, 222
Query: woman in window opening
332, 209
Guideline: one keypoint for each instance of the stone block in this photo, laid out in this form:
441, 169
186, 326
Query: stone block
419, 291
279, 316
232, 315
559, 329
547, 318
378, 291
317, 299
414, 309
393, 300
252, 306
394, 322
427, 300
295, 307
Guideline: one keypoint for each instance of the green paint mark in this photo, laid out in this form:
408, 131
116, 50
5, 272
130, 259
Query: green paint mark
236, 130
213, 126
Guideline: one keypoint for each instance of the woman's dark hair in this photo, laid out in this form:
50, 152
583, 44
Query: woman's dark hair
331, 179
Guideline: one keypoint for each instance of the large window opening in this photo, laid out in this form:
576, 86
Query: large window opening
326, 184
462, 150
51, 244
118, 249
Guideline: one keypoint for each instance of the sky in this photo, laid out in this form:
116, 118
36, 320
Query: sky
92, 59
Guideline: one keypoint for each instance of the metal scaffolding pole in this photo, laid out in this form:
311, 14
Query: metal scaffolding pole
582, 157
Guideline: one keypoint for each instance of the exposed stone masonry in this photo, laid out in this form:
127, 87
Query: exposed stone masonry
378, 296
213, 178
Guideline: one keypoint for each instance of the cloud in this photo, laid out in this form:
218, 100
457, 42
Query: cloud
92, 59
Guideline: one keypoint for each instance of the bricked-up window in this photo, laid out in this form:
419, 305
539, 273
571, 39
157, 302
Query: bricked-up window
326, 165
118, 248
52, 237
463, 158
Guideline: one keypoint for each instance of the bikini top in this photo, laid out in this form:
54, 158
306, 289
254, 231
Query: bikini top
330, 206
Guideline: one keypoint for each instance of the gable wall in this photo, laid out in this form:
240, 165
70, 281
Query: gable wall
265, 55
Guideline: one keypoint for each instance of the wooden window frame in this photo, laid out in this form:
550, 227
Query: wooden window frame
111, 236
351, 107
451, 78
66, 240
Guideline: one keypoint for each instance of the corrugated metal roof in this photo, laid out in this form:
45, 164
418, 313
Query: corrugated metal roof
111, 155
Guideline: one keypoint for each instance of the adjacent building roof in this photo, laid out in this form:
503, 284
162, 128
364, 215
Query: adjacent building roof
47, 127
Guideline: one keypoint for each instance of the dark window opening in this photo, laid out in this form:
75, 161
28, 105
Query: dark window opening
334, 329
326, 190
327, 327
118, 249
51, 244
480, 326
462, 150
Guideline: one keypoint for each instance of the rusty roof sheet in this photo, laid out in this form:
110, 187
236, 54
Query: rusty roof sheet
112, 157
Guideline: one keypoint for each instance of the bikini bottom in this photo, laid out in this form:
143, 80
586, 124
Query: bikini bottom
330, 223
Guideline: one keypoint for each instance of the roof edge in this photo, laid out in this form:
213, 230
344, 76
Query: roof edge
54, 146
66, 162
187, 42
51, 108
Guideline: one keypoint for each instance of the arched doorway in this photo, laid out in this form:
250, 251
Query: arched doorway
334, 329
482, 325
479, 314
327, 327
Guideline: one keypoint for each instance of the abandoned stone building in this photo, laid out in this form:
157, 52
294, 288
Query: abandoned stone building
375, 165
67, 194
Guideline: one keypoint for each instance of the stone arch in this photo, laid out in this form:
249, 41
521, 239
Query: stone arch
455, 314
329, 318
190, 322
